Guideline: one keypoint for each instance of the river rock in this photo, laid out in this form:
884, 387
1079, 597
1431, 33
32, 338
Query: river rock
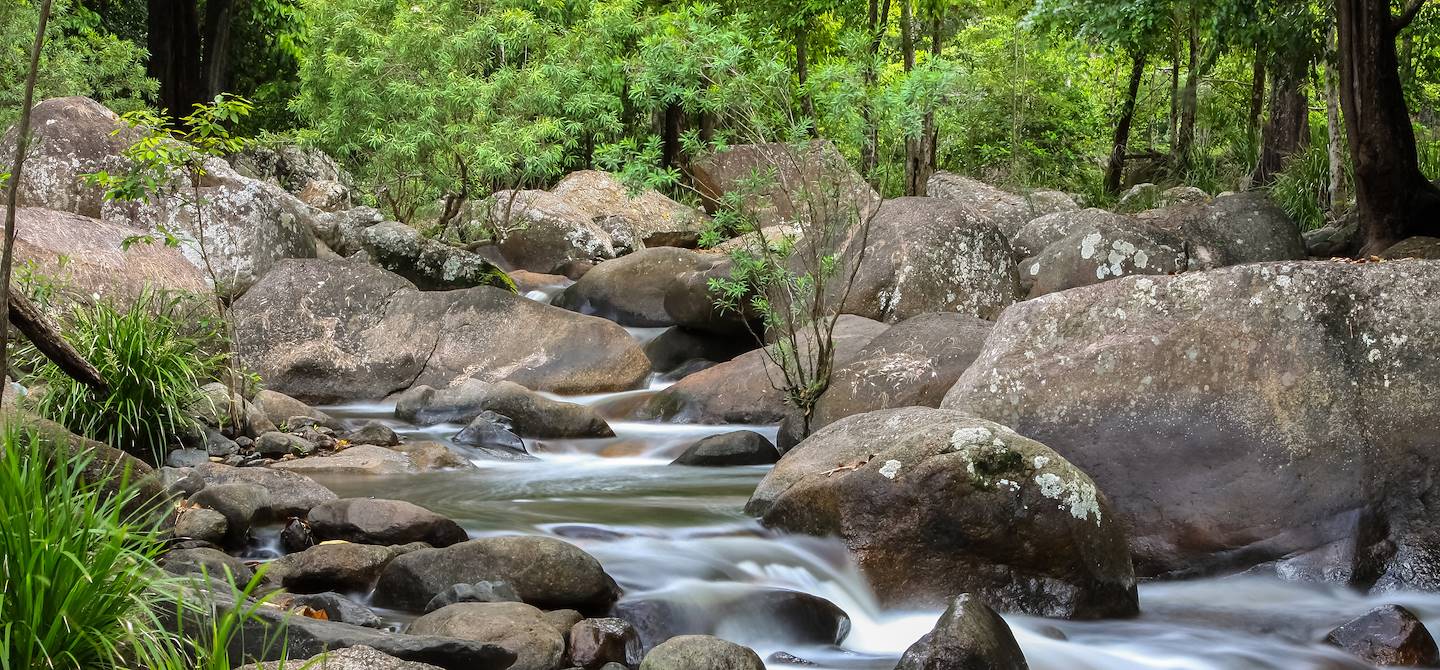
647, 216
1231, 230
201, 524
343, 566
287, 494
1005, 210
778, 615
1283, 379
479, 592
515, 627
690, 303
928, 255
431, 264
88, 257
913, 362
348, 658
337, 608
987, 511
428, 455
212, 563
373, 432
288, 165
187, 458
544, 571
741, 447
493, 435
968, 636
593, 643
375, 521
1140, 197
701, 652
1183, 195
213, 408
740, 391
529, 413
677, 347
1414, 247
1339, 238
278, 408
362, 459
805, 177
344, 330
1096, 250
540, 231
630, 290
242, 504
275, 444
1043, 231
1390, 635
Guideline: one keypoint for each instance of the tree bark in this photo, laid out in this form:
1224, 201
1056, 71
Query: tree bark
1257, 93
931, 130
802, 75
216, 43
30, 321
870, 152
1189, 99
1335, 136
671, 121
914, 151
175, 58
1393, 199
1115, 169
1287, 129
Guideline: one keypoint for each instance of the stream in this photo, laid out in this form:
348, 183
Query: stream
679, 534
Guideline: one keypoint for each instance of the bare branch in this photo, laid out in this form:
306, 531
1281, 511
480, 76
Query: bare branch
1412, 8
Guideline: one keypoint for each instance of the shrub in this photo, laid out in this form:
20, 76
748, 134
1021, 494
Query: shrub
154, 354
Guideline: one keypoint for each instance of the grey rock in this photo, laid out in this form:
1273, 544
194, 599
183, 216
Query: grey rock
515, 627
630, 290
348, 658
968, 636
373, 432
701, 652
1006, 210
279, 408
491, 433
212, 563
1390, 635
275, 444
478, 592
346, 567
338, 608
387, 522
544, 571
204, 525
187, 458
595, 643
741, 447
530, 414
431, 264
243, 505
287, 494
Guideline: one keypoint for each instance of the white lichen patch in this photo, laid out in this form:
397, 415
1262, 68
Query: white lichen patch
890, 469
1040, 461
1076, 494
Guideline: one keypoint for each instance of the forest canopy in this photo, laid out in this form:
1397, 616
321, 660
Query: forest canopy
438, 102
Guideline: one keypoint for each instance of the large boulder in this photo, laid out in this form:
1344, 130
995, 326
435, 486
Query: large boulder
743, 390
934, 502
431, 264
376, 521
89, 257
368, 459
1098, 249
1231, 230
530, 414
595, 643
631, 290
913, 362
780, 616
968, 636
740, 447
1042, 231
290, 166
358, 657
279, 408
801, 179
70, 137
1282, 412
516, 627
647, 216
540, 231
701, 652
329, 331
1003, 209
928, 255
340, 566
689, 303
544, 572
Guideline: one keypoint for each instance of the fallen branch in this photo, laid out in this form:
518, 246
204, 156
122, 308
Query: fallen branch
42, 332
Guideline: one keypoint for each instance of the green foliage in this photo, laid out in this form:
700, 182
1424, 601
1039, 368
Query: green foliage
74, 571
79, 58
154, 354
1302, 188
79, 587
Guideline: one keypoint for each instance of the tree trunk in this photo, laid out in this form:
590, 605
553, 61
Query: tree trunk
802, 75
870, 152
1335, 137
1189, 100
216, 43
672, 120
1393, 198
1115, 170
914, 152
174, 40
1288, 128
1174, 92
1257, 93
42, 332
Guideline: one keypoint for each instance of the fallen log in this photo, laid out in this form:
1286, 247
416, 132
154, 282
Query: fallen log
42, 332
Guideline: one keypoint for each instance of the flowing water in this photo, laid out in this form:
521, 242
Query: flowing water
679, 534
